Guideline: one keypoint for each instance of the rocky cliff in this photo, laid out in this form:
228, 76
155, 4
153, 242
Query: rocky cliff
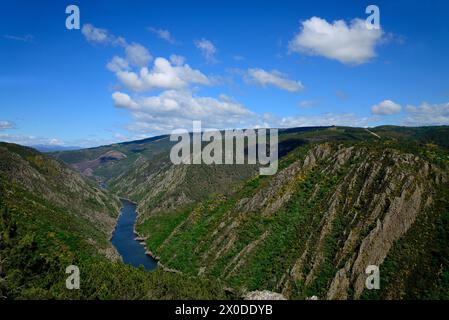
314, 227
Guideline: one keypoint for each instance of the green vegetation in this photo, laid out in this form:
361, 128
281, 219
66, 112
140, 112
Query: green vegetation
159, 226
286, 233
225, 226
251, 250
33, 263
418, 265
39, 239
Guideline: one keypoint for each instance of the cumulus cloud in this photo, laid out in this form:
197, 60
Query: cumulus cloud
163, 75
132, 69
122, 100
427, 114
207, 48
96, 35
350, 43
274, 78
5, 125
177, 60
117, 64
177, 103
173, 109
163, 34
386, 107
137, 55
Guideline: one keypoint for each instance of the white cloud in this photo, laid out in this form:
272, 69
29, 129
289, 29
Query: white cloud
274, 78
163, 76
55, 142
163, 34
307, 103
96, 35
122, 100
350, 44
137, 55
117, 64
327, 119
386, 107
173, 109
427, 114
176, 105
207, 48
29, 140
177, 60
25, 38
5, 125
93, 141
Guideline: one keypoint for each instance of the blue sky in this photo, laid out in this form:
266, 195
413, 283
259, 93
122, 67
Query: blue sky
140, 68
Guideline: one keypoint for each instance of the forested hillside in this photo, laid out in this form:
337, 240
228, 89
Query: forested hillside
342, 199
50, 218
345, 199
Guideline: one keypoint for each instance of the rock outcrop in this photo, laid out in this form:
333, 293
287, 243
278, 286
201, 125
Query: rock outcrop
263, 295
321, 220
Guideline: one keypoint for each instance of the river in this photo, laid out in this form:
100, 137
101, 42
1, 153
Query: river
123, 239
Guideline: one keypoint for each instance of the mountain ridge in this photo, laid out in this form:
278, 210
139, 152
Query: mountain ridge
343, 198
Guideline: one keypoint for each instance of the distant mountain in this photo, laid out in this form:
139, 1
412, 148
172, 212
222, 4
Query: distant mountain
53, 148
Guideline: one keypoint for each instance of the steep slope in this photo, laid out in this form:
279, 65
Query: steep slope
313, 228
50, 218
142, 171
37, 174
101, 166
344, 198
158, 185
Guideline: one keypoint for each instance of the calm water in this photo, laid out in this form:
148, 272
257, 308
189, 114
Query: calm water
132, 251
